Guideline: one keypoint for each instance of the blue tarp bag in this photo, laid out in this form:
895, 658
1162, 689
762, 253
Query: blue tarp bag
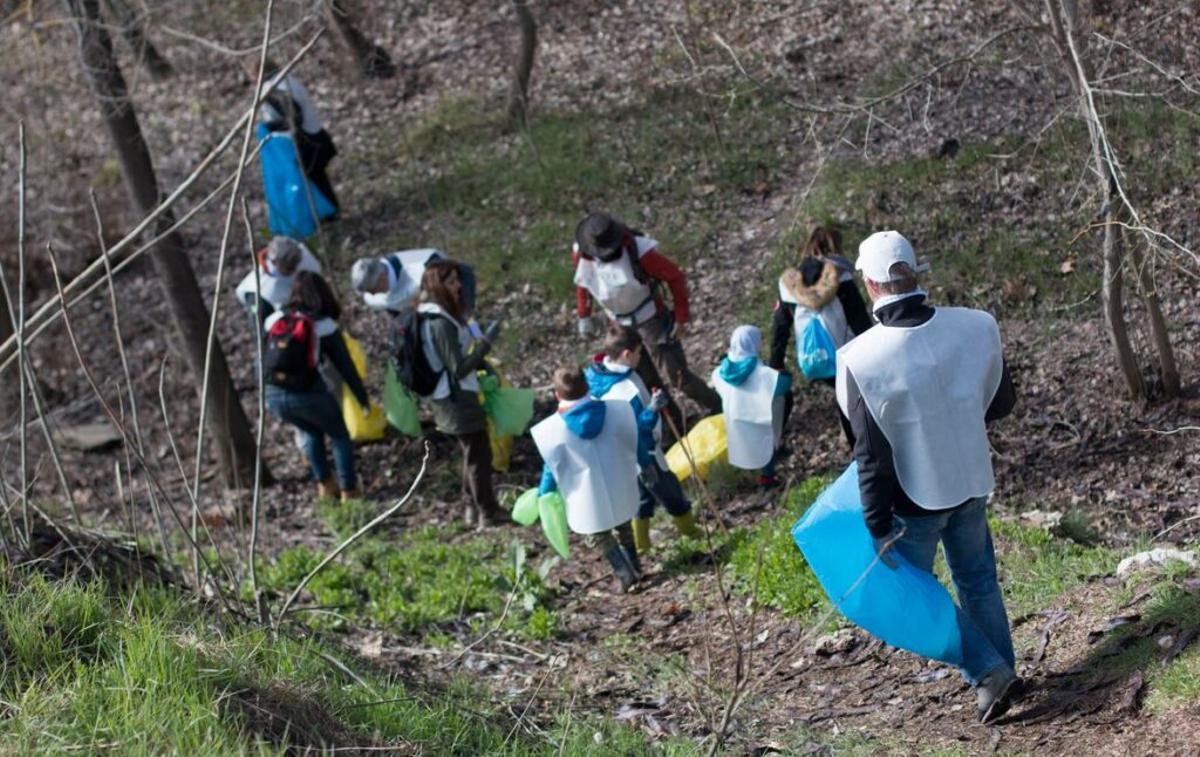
287, 189
905, 607
817, 352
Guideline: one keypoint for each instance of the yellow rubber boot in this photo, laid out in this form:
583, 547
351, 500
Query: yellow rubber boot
641, 534
686, 524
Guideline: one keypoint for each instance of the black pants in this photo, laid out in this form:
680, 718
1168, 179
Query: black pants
477, 473
316, 151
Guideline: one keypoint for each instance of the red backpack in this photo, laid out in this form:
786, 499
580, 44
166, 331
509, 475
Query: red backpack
290, 352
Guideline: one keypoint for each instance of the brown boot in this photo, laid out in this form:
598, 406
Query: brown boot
327, 489
350, 494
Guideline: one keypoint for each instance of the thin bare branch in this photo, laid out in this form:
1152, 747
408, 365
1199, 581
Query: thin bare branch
355, 537
247, 136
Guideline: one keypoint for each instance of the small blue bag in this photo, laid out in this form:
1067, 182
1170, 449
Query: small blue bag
905, 607
287, 189
817, 352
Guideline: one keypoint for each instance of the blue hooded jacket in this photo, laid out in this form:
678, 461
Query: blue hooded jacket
735, 373
585, 420
601, 380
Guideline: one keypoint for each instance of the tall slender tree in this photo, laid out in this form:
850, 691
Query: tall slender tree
518, 95
371, 59
229, 431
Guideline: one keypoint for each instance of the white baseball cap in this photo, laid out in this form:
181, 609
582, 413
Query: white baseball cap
882, 250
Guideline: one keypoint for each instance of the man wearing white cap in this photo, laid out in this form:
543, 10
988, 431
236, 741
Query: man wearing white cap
918, 389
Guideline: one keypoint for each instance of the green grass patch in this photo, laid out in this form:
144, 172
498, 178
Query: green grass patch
1036, 566
417, 582
91, 669
508, 202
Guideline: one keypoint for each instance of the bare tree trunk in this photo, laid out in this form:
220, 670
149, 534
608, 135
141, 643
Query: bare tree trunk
134, 32
229, 431
1064, 26
1168, 369
518, 96
371, 59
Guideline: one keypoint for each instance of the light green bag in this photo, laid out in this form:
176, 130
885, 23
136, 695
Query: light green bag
400, 405
510, 409
552, 509
525, 509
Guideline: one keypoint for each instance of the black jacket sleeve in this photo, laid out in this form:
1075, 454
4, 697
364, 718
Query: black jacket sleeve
857, 316
334, 348
1004, 400
781, 333
877, 482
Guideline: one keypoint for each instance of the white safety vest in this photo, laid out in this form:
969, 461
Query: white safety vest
598, 476
633, 386
468, 383
275, 289
616, 287
928, 389
403, 287
753, 416
832, 317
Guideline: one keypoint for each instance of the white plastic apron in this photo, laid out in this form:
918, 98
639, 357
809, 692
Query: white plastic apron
753, 416
616, 287
633, 386
598, 476
928, 388
405, 286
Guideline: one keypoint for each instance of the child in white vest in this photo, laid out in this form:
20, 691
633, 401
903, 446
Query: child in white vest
590, 449
613, 375
752, 395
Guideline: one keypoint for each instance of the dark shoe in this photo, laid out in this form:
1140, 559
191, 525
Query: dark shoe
631, 554
994, 694
623, 569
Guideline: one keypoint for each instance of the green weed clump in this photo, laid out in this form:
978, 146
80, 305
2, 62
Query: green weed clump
780, 578
414, 583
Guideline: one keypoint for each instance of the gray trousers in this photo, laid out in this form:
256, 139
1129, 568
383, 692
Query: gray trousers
663, 356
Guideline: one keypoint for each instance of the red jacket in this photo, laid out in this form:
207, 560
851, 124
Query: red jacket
657, 266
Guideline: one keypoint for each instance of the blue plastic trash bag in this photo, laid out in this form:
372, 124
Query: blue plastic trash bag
905, 607
816, 352
288, 191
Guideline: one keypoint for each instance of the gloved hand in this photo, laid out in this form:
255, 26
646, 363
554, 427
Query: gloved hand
883, 548
677, 332
492, 331
586, 327
658, 400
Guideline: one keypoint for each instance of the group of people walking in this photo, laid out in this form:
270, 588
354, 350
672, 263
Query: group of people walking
914, 387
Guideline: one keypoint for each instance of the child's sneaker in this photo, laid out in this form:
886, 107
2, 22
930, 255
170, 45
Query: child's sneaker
768, 482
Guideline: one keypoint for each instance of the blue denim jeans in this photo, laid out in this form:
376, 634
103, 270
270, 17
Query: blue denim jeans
317, 415
982, 620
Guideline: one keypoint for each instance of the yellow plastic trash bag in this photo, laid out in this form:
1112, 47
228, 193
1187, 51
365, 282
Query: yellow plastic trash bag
707, 443
362, 428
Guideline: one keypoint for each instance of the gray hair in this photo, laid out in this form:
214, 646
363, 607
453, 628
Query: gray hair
365, 272
903, 279
285, 253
